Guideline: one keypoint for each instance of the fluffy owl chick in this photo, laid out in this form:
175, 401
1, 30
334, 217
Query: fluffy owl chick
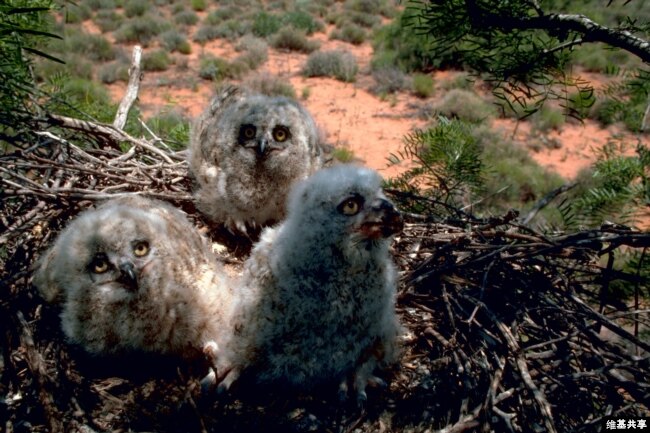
246, 150
318, 292
135, 275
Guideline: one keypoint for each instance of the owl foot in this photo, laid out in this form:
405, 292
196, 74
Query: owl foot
226, 381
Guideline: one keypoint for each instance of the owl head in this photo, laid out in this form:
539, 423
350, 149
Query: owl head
343, 206
113, 250
269, 132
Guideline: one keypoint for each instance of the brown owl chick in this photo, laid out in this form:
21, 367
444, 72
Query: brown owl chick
135, 275
318, 292
246, 150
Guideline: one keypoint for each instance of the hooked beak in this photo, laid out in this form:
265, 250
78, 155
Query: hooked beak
127, 275
262, 146
382, 221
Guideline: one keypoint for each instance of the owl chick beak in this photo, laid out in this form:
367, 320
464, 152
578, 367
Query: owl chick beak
382, 220
127, 275
262, 146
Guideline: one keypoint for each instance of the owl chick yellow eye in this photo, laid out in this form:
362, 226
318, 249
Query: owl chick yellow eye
280, 134
350, 207
100, 266
141, 249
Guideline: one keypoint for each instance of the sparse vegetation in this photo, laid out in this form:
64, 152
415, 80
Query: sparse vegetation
108, 20
339, 64
302, 20
343, 154
199, 5
389, 79
266, 24
112, 72
548, 118
136, 8
157, 60
271, 85
464, 105
254, 51
172, 40
351, 33
422, 85
186, 18
293, 39
141, 30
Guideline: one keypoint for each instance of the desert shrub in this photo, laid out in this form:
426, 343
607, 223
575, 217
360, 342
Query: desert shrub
343, 154
597, 58
292, 39
372, 7
136, 8
389, 80
216, 68
76, 13
113, 72
339, 64
302, 20
255, 51
230, 29
422, 85
76, 66
579, 103
172, 40
266, 24
186, 18
108, 20
157, 60
172, 127
399, 44
100, 4
141, 30
351, 33
625, 102
271, 85
92, 47
461, 163
199, 5
360, 19
460, 80
464, 105
222, 14
547, 118
74, 96
512, 178
205, 34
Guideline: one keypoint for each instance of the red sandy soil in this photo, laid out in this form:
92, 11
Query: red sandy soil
352, 117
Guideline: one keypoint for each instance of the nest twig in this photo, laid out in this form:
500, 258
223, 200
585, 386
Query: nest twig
503, 323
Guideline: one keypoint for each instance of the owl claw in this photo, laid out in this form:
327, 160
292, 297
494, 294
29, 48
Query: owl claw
362, 399
227, 380
208, 382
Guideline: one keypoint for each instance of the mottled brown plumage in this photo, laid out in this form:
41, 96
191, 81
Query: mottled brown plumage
135, 275
246, 150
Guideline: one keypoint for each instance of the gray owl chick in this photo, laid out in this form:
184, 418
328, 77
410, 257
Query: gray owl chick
318, 292
134, 274
246, 150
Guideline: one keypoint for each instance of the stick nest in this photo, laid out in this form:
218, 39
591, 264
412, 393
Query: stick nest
501, 330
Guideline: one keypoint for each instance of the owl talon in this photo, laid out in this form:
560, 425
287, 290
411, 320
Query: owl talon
377, 382
208, 382
362, 399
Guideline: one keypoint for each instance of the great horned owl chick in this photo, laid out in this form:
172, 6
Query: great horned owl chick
135, 275
246, 150
318, 292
